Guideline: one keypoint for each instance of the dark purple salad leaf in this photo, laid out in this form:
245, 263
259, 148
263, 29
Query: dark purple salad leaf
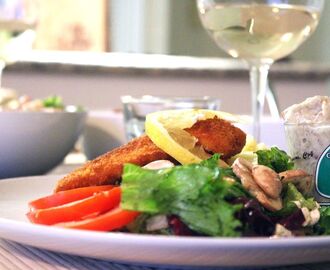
254, 219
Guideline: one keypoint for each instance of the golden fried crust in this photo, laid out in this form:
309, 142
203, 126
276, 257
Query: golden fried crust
108, 168
215, 135
218, 136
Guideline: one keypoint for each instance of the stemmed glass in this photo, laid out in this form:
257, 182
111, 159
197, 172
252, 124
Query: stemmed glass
260, 32
18, 19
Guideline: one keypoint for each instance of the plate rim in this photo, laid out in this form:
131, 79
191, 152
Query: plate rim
11, 229
200, 240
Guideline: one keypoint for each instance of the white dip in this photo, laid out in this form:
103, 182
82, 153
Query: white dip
313, 110
307, 128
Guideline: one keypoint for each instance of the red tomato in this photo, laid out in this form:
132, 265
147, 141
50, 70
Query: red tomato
91, 206
67, 196
112, 220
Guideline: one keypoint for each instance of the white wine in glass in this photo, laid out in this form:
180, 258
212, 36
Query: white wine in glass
17, 22
260, 32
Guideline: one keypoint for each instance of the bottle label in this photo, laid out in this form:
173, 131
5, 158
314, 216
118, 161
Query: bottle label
322, 176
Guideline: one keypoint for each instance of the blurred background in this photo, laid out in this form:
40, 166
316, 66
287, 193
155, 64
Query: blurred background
118, 47
93, 52
144, 26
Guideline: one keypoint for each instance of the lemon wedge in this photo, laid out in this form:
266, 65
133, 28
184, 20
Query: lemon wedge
166, 130
250, 145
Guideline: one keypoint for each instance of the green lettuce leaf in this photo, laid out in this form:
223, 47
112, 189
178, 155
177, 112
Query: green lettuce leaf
291, 195
196, 193
276, 159
323, 226
53, 102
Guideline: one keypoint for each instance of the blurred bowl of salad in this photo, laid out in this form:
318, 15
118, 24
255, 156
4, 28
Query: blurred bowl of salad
36, 134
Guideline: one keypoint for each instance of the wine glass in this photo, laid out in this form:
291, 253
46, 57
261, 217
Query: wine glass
260, 32
18, 18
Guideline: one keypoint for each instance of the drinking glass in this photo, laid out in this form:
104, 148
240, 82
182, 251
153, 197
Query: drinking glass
260, 32
136, 109
17, 21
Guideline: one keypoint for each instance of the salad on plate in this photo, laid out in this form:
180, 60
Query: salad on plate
10, 101
194, 173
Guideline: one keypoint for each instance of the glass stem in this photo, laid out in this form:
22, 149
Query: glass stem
258, 79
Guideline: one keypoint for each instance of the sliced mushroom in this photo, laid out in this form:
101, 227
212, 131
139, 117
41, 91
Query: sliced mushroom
301, 179
244, 174
268, 180
249, 183
159, 164
269, 203
244, 163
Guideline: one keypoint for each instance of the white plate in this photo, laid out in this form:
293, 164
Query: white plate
143, 249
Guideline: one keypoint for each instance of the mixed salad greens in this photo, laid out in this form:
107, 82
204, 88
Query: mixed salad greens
195, 193
201, 200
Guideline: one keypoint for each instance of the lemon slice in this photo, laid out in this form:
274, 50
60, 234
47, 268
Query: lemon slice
166, 130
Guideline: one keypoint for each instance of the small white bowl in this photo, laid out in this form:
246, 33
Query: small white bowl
32, 143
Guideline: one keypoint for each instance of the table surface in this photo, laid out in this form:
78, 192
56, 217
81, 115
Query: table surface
14, 256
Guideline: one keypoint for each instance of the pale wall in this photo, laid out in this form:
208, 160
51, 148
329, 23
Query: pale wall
103, 91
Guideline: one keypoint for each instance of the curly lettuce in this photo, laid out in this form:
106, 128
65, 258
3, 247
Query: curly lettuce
276, 159
197, 193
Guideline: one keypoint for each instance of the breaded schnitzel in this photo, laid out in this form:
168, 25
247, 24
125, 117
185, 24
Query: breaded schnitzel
218, 136
215, 135
108, 168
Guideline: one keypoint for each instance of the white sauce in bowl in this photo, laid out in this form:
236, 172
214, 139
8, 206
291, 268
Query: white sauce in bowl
307, 130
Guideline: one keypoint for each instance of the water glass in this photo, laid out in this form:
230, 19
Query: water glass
136, 109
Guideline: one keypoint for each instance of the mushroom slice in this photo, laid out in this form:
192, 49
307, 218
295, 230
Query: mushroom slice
243, 172
301, 179
268, 180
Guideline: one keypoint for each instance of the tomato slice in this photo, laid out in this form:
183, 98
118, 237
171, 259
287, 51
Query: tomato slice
67, 196
111, 220
96, 204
